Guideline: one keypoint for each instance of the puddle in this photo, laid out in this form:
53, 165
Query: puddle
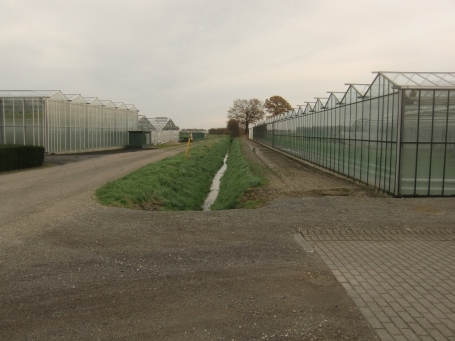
215, 186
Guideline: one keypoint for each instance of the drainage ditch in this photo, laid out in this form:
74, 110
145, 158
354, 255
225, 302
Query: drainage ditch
215, 188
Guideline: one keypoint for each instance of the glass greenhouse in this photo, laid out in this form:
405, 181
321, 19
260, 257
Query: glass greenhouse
162, 129
396, 134
62, 123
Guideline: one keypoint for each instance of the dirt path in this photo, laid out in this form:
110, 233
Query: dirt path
37, 199
72, 269
291, 178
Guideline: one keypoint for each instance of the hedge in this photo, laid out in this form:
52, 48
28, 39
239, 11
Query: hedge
13, 156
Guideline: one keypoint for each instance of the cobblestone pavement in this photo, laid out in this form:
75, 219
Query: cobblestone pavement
402, 281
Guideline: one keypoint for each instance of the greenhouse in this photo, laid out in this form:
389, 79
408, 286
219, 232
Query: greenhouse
162, 129
64, 123
396, 134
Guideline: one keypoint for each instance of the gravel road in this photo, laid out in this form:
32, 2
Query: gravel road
72, 269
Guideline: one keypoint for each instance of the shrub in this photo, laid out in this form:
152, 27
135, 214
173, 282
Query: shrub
13, 156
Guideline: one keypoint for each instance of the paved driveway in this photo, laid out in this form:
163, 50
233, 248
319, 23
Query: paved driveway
402, 281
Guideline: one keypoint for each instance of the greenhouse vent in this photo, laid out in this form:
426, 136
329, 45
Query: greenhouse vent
396, 134
64, 123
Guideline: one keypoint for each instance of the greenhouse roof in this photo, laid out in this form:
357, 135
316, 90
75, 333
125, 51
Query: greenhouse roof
420, 79
360, 88
57, 95
71, 96
131, 107
385, 83
119, 104
75, 98
145, 124
162, 123
28, 93
107, 101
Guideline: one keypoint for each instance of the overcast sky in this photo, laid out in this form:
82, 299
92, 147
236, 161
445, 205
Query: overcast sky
188, 60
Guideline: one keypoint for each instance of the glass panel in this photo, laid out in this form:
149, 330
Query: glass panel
437, 169
19, 120
29, 135
437, 80
400, 79
388, 118
19, 134
410, 115
350, 158
380, 159
449, 178
408, 163
28, 106
440, 116
9, 121
380, 119
392, 162
447, 78
419, 79
364, 161
366, 120
394, 117
372, 163
374, 88
425, 116
374, 124
451, 119
423, 169
384, 87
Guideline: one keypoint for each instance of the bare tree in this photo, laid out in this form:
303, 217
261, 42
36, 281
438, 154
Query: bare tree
246, 112
276, 105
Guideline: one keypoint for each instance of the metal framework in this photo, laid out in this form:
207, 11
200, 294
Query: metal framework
61, 122
396, 134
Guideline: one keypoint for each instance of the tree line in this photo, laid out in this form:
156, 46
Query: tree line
245, 112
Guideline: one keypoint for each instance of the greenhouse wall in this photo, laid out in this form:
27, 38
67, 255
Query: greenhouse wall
64, 124
164, 136
400, 141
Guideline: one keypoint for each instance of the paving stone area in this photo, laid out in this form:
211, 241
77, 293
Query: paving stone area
403, 281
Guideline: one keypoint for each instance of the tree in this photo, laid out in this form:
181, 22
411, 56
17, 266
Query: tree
233, 128
246, 112
276, 105
218, 131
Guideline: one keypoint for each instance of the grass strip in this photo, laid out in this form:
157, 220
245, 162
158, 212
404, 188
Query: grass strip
239, 177
172, 184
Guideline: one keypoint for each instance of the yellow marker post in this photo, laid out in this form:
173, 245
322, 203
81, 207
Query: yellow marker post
188, 144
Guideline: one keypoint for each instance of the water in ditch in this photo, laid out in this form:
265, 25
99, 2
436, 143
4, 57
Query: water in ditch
215, 186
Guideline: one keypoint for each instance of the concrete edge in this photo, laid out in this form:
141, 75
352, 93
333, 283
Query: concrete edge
303, 243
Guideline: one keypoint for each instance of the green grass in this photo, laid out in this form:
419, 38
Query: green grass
172, 184
239, 177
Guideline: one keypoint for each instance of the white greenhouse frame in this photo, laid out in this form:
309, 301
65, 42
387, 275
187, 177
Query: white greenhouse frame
64, 123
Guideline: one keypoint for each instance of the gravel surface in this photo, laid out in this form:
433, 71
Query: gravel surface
72, 269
